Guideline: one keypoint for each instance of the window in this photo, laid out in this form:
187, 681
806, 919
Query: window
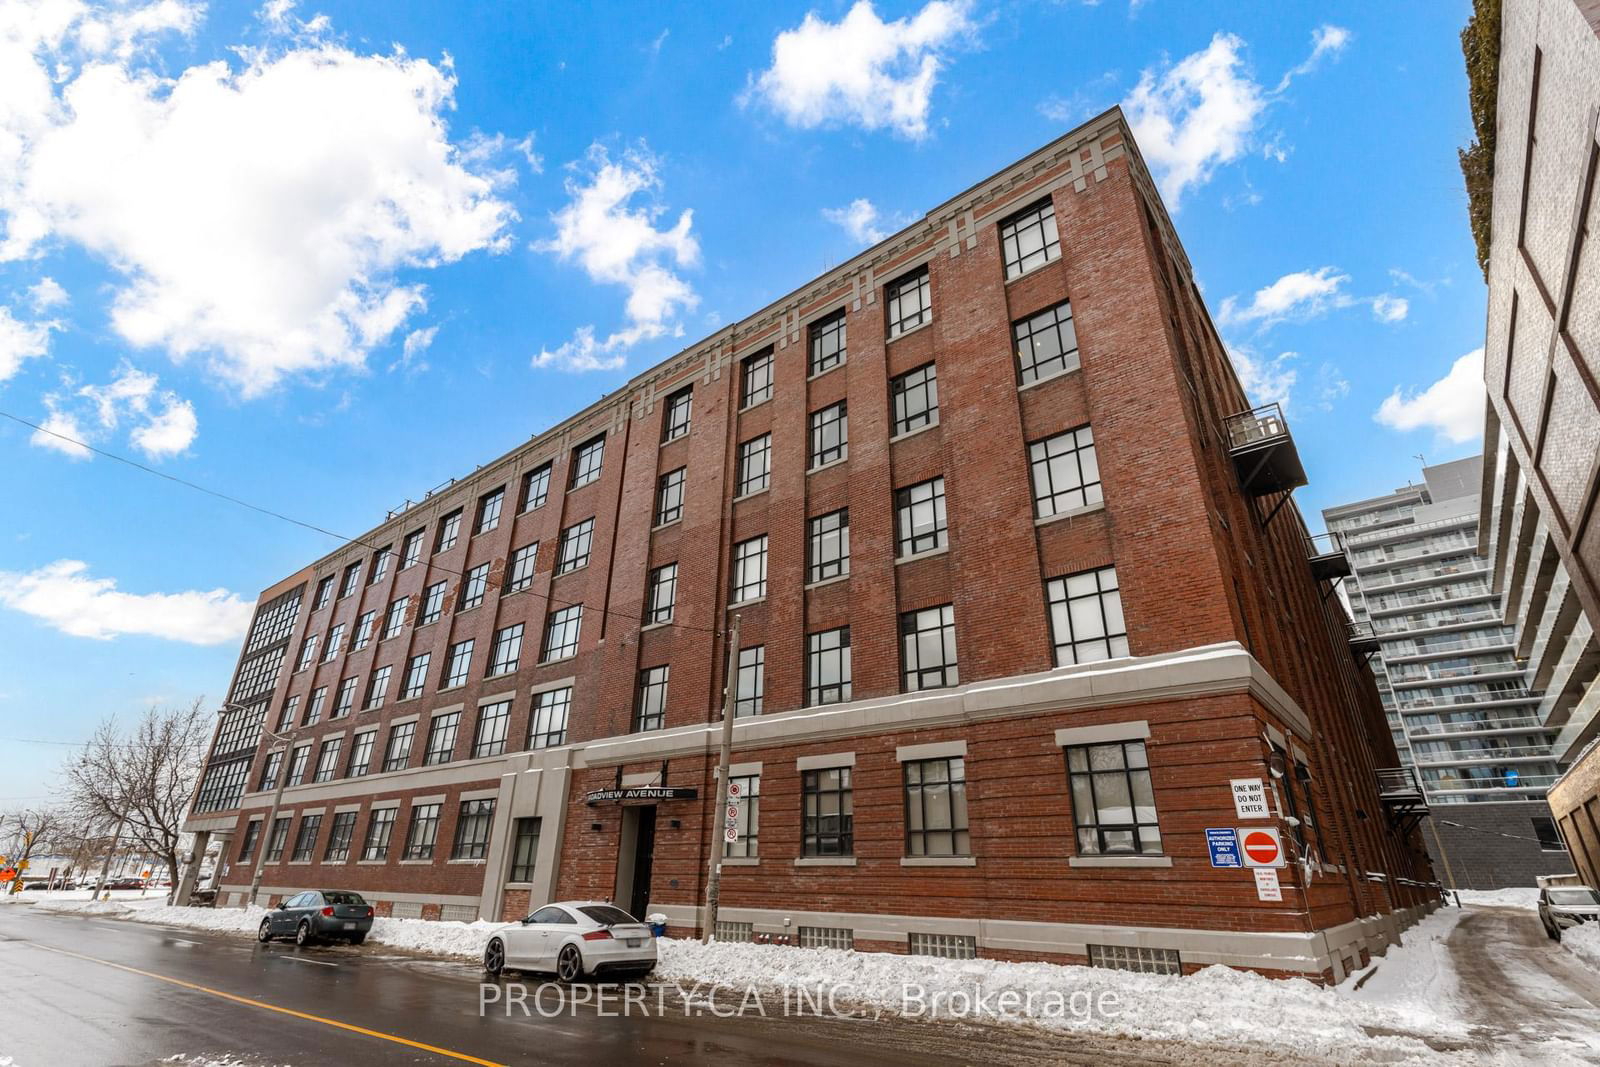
827, 937
308, 652
352, 578
506, 651
492, 722
735, 933
928, 649
378, 688
328, 760
269, 771
910, 302
363, 635
442, 738
432, 603
411, 549
1113, 805
330, 651
828, 667
252, 837
919, 516
1028, 238
297, 764
669, 497
1046, 343
1086, 617
755, 379
524, 849
536, 488
1066, 474
573, 550
752, 681
675, 419
828, 817
380, 564
473, 586
472, 830
830, 434
416, 675
547, 726
395, 619
750, 569
380, 827
561, 630
324, 593
586, 461
456, 664
830, 545
663, 595
755, 465
398, 752
319, 697
361, 754
489, 506
424, 830
1544, 828
945, 946
744, 793
827, 343
915, 395
286, 719
345, 700
1143, 960
340, 834
519, 575
936, 807
650, 711
280, 836
449, 532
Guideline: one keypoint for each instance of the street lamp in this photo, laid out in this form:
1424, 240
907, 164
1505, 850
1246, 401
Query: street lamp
272, 814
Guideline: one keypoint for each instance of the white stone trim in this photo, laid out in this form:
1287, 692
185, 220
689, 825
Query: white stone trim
446, 710
480, 794
340, 810
741, 861
401, 720
436, 799
1136, 730
379, 805
932, 750
554, 683
825, 861
509, 694
938, 861
1071, 513
1119, 861
739, 770
825, 762
303, 812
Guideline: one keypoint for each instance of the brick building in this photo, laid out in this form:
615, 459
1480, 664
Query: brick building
1021, 588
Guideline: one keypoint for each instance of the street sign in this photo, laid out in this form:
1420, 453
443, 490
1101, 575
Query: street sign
1224, 846
1267, 887
733, 813
1250, 799
733, 789
731, 834
1262, 846
642, 792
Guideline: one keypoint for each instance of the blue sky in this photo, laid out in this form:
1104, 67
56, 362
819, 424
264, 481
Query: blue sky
324, 257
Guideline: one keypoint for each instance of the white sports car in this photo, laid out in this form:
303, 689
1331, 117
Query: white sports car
573, 939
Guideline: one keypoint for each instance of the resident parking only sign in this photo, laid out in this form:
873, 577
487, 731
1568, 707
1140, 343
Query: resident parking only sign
1224, 847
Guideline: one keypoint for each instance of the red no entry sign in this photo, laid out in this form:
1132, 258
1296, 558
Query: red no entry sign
1261, 847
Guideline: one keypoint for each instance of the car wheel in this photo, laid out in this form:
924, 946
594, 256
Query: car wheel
569, 964
264, 934
356, 939
494, 958
302, 933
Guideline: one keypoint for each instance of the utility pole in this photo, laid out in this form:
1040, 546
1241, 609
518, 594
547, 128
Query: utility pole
730, 701
105, 867
265, 840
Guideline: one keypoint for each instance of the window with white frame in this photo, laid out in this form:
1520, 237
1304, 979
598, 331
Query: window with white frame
1028, 239
750, 569
1086, 622
1066, 473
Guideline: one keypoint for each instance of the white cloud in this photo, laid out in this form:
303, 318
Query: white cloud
167, 432
164, 424
1266, 380
1331, 386
60, 431
860, 219
20, 341
1451, 406
861, 70
1195, 115
64, 595
1390, 308
417, 343
46, 294
258, 216
1301, 295
617, 243
1326, 40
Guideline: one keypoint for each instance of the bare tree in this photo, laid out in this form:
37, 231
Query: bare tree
143, 778
26, 833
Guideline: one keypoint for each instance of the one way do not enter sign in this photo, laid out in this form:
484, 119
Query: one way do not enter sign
1261, 847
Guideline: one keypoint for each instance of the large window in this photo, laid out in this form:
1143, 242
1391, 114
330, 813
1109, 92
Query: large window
365, 623
536, 488
1066, 474
423, 832
1544, 828
398, 752
346, 699
827, 343
416, 675
830, 434
750, 569
340, 833
744, 794
910, 302
328, 760
280, 837
457, 664
828, 666
319, 697
829, 547
662, 596
475, 584
755, 379
519, 575
380, 565
411, 549
432, 603
547, 726
1086, 617
472, 830
936, 807
378, 687
828, 818
928, 648
308, 652
669, 497
919, 517
1028, 239
572, 551
449, 532
1046, 343
252, 838
290, 707
915, 395
380, 828
561, 630
752, 681
330, 651
269, 771
489, 506
1113, 804
361, 754
586, 461
324, 593
650, 711
492, 722
305, 842
506, 652
524, 849
675, 414
442, 738
395, 618
352, 579
755, 465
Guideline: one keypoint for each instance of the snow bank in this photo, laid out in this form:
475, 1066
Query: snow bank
1502, 898
1583, 941
1416, 978
434, 938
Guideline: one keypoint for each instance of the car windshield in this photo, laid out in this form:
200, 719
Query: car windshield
343, 898
606, 915
1574, 898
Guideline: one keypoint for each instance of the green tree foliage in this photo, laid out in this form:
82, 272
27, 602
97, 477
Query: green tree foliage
1480, 44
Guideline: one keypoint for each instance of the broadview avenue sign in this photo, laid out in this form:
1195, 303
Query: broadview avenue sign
642, 792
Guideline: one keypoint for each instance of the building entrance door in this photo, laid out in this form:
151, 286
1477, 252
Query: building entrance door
635, 857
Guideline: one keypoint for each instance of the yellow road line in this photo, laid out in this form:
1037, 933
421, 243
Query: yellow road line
273, 1007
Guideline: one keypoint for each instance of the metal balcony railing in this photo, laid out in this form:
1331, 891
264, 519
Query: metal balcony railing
1327, 557
1419, 731
1357, 539
1398, 782
1362, 639
1264, 453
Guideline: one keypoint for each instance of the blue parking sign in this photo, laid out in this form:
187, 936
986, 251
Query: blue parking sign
1224, 846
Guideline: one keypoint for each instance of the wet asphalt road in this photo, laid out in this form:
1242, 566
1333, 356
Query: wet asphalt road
85, 990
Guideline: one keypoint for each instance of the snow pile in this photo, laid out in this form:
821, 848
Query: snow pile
1583, 941
1416, 979
85, 907
434, 938
1522, 897
220, 920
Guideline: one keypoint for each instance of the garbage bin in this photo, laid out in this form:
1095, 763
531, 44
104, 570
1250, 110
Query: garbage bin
658, 924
